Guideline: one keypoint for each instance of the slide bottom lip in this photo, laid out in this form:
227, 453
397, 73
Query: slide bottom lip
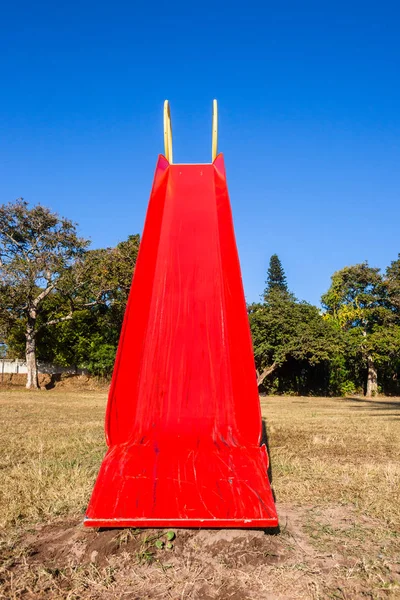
183, 523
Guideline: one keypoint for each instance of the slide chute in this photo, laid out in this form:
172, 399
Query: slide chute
183, 422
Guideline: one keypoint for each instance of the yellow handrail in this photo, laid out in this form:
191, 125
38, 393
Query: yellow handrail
214, 146
167, 132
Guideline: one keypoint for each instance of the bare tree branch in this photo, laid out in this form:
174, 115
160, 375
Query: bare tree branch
267, 371
20, 246
43, 295
55, 321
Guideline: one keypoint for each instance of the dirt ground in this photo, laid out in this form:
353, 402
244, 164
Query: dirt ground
335, 472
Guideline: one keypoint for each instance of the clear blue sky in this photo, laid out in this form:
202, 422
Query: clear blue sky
309, 102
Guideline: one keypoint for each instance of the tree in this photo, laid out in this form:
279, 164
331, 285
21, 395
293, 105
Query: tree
94, 290
284, 329
37, 251
357, 301
105, 274
276, 278
392, 281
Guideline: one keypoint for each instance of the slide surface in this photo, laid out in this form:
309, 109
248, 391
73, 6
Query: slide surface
183, 421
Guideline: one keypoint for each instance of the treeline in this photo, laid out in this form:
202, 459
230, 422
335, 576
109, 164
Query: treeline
350, 345
62, 302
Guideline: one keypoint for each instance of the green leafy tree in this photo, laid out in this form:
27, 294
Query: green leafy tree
37, 250
105, 274
392, 281
94, 295
276, 278
285, 330
357, 301
100, 360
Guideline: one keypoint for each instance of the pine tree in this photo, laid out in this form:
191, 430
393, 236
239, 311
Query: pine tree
276, 279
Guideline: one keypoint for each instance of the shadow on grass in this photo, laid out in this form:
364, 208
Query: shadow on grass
264, 440
384, 404
54, 379
369, 404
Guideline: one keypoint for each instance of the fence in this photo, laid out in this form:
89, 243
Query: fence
8, 366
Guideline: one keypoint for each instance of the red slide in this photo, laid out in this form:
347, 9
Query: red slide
183, 421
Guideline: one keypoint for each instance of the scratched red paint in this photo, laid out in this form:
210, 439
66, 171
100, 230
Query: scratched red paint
183, 421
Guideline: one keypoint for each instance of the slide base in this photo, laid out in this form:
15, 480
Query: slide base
173, 485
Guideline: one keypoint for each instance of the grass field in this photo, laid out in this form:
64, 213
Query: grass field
335, 473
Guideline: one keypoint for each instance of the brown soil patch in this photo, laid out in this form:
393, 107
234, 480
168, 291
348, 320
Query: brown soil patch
64, 381
64, 560
19, 379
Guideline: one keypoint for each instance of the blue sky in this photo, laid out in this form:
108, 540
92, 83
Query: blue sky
309, 104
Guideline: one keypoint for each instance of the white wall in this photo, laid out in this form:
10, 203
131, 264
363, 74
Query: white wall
19, 366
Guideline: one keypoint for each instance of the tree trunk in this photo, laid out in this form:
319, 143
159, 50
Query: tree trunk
267, 371
31, 364
372, 378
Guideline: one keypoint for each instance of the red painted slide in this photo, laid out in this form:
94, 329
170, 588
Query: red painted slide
183, 421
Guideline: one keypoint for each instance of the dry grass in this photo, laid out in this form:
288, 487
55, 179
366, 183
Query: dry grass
336, 475
341, 450
51, 445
